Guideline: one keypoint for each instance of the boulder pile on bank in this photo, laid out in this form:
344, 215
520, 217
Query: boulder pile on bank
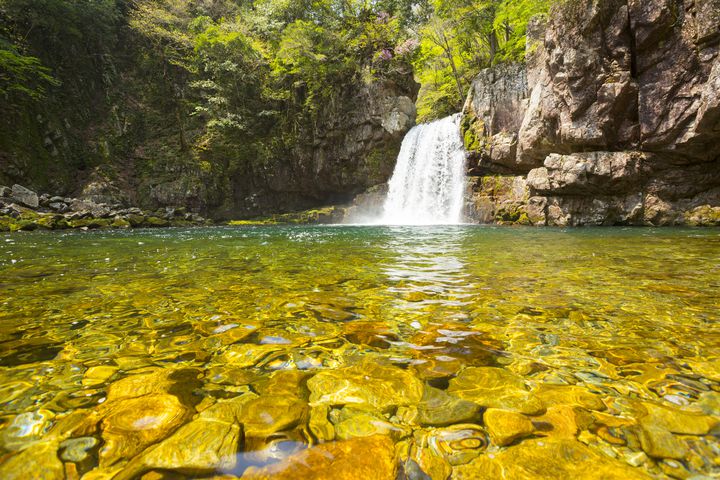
23, 209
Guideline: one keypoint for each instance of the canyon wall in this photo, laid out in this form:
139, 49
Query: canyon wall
614, 119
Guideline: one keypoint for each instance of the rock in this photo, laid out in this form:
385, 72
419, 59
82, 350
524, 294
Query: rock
369, 458
590, 174
494, 387
505, 427
319, 425
131, 424
573, 395
207, 445
436, 451
547, 459
265, 415
678, 421
180, 381
562, 421
368, 384
659, 443
438, 408
25, 429
5, 192
76, 450
98, 375
25, 196
37, 461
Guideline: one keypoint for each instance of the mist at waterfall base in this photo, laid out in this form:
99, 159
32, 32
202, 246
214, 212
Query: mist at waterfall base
428, 184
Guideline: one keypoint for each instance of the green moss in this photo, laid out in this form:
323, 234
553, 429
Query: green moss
306, 217
156, 222
91, 223
120, 223
473, 131
136, 220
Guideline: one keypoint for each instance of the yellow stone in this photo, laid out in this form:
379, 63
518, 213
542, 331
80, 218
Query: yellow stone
678, 421
505, 427
367, 458
154, 381
98, 375
559, 421
369, 384
264, 416
132, 424
37, 461
496, 388
552, 395
659, 443
547, 459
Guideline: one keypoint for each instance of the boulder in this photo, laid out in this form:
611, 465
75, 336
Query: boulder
25, 196
368, 458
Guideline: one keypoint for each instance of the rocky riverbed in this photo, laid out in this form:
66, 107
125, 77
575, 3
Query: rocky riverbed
23, 209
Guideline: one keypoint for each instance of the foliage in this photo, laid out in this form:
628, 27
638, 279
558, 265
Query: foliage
234, 85
460, 38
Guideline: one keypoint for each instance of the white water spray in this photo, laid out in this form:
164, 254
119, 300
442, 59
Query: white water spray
428, 184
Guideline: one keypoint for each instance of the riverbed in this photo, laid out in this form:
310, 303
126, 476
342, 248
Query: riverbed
463, 351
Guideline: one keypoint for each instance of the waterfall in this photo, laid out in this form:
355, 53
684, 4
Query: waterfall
428, 184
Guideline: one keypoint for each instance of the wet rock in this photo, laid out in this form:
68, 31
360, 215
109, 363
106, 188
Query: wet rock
438, 408
179, 382
563, 421
359, 423
495, 387
369, 384
659, 443
552, 395
37, 461
369, 458
678, 421
25, 429
319, 424
134, 423
547, 459
25, 196
436, 451
77, 450
247, 354
98, 375
265, 415
504, 427
207, 445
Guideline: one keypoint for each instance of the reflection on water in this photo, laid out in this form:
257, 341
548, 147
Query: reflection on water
462, 352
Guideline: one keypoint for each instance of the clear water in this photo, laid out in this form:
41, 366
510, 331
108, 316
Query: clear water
628, 316
428, 183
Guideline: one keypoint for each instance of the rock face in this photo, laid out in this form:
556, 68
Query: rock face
615, 119
353, 147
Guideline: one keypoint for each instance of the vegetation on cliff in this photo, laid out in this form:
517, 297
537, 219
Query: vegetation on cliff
173, 99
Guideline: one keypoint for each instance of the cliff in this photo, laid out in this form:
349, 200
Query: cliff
614, 119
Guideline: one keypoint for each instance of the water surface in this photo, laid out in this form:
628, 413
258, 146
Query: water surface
115, 347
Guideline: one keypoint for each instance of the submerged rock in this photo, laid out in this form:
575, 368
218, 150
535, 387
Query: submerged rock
207, 445
368, 458
438, 408
133, 424
495, 387
37, 461
547, 459
505, 427
369, 384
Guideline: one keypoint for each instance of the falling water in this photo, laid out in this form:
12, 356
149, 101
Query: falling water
428, 184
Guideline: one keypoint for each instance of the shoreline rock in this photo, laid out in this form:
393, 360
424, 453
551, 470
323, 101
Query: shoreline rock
22, 209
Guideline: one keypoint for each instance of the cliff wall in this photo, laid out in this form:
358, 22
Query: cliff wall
615, 119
